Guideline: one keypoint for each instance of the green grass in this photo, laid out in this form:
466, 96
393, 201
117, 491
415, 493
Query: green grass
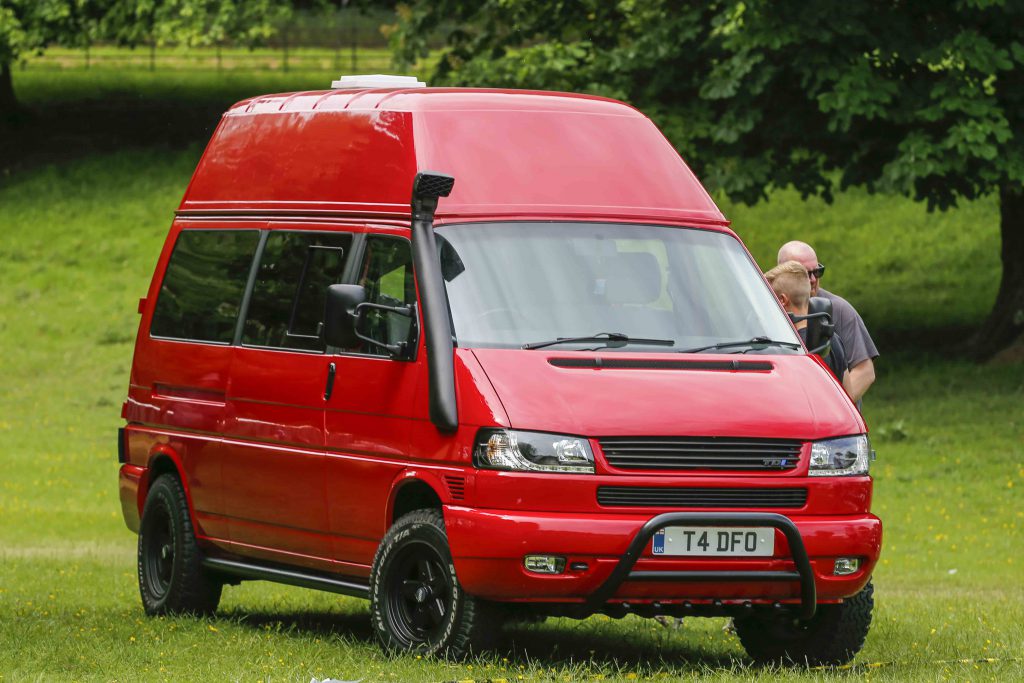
79, 234
41, 89
906, 270
190, 77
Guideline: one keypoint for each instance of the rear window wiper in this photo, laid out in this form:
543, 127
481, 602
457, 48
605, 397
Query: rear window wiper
611, 339
755, 341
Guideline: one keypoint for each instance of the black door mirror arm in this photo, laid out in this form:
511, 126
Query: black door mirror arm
395, 350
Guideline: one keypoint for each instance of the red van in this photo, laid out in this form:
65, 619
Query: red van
481, 354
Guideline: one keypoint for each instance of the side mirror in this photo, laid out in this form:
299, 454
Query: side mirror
340, 315
346, 305
820, 327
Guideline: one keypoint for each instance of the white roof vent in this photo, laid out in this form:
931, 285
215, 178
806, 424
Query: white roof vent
378, 81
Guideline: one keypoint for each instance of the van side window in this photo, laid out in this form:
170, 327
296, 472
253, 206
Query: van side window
388, 278
203, 286
288, 297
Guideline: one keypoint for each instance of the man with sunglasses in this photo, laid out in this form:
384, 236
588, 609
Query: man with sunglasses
860, 349
789, 281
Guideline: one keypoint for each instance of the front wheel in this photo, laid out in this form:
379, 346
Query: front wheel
171, 579
416, 602
833, 636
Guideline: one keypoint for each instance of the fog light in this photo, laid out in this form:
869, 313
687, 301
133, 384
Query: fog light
544, 564
846, 565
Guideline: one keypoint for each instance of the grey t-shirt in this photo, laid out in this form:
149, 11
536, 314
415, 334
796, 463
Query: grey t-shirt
851, 329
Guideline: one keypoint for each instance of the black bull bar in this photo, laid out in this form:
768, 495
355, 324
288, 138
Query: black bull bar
624, 570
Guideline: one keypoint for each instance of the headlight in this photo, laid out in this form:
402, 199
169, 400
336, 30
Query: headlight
508, 449
843, 457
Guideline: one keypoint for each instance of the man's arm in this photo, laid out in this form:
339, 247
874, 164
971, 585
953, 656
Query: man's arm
860, 348
862, 376
846, 381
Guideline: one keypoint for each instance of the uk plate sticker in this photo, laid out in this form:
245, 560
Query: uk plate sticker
659, 543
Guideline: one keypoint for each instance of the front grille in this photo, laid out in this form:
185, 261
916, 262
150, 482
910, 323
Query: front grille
700, 497
700, 453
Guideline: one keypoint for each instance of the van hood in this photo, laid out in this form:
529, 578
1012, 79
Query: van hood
618, 394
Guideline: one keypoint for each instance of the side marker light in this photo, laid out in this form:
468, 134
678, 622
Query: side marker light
544, 564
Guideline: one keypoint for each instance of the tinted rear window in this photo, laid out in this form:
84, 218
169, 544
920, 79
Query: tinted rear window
203, 286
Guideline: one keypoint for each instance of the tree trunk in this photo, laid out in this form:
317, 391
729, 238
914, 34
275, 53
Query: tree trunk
8, 104
1005, 323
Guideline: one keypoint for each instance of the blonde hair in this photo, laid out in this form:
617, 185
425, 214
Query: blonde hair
790, 278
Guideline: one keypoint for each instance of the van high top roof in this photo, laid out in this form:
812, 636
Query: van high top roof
514, 153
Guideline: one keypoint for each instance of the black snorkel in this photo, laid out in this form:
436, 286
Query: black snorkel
426, 189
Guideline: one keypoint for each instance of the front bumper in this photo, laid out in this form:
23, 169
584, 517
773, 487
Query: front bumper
488, 547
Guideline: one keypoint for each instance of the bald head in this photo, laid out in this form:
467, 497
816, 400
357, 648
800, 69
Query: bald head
797, 251
802, 253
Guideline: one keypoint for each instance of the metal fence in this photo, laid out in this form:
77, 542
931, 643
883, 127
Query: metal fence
340, 39
283, 58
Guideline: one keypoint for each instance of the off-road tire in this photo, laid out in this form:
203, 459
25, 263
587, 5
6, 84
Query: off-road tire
171, 578
833, 637
416, 602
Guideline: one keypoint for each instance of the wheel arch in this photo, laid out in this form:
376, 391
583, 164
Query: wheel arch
414, 490
165, 460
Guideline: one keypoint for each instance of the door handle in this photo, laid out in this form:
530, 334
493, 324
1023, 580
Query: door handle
331, 370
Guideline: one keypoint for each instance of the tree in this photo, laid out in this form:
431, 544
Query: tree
27, 25
30, 26
914, 97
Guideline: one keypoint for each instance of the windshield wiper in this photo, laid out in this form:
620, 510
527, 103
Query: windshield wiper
755, 341
611, 339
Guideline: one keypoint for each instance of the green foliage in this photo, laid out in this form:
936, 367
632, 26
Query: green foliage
32, 25
907, 97
27, 25
911, 97
191, 22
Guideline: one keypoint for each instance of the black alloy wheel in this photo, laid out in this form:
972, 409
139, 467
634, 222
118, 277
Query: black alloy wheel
416, 601
158, 552
419, 593
171, 577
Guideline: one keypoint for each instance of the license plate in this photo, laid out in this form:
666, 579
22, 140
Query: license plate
714, 541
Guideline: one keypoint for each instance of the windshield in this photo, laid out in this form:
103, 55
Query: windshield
662, 289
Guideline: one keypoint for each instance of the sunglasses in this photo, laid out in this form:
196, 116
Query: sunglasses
817, 272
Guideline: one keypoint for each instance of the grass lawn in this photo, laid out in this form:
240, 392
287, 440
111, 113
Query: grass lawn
80, 230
